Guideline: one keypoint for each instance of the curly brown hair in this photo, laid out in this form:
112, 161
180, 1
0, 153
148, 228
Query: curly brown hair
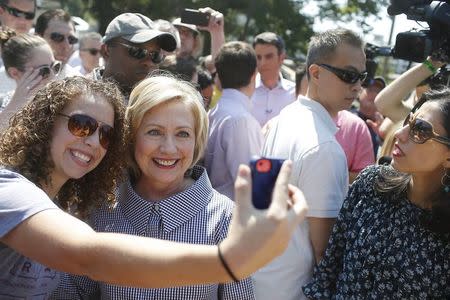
25, 144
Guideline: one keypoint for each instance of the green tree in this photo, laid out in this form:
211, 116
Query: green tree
245, 19
352, 10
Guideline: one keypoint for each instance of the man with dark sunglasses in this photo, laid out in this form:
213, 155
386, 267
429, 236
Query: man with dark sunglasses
17, 14
87, 58
132, 50
304, 132
57, 28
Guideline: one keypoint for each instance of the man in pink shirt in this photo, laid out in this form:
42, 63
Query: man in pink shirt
354, 137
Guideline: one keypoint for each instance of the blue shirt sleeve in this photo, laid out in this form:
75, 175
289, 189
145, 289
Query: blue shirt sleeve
19, 200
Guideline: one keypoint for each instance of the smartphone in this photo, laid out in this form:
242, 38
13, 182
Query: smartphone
264, 174
196, 17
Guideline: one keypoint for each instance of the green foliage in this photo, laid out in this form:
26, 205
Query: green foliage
243, 19
353, 10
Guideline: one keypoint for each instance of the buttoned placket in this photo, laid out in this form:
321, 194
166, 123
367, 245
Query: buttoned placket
154, 227
271, 96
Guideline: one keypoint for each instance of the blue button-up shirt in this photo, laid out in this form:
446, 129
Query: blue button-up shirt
234, 137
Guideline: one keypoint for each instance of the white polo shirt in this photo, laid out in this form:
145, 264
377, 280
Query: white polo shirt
304, 133
267, 103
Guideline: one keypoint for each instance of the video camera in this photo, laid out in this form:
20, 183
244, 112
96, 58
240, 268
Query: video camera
418, 45
371, 52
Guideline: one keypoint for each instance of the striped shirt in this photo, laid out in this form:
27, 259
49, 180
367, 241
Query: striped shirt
198, 215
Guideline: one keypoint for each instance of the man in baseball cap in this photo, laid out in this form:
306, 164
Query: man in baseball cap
132, 49
191, 42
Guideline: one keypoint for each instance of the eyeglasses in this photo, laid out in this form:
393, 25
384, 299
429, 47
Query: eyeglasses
141, 53
59, 38
421, 131
18, 13
350, 77
82, 126
45, 70
92, 51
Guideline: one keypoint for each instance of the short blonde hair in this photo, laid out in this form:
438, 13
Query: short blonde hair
159, 89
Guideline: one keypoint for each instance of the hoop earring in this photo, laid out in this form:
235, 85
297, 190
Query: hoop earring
445, 181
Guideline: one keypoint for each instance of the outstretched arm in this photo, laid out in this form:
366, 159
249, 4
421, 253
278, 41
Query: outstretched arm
255, 237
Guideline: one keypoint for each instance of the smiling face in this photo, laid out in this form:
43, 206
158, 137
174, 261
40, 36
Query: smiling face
426, 158
329, 90
73, 157
164, 148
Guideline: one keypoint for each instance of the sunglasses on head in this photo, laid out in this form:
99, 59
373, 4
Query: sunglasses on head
141, 53
82, 126
91, 51
347, 76
59, 38
421, 131
18, 13
45, 70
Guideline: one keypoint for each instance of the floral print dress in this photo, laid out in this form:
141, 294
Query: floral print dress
379, 250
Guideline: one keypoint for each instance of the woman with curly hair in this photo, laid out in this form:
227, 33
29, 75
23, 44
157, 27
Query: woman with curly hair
29, 61
392, 236
61, 153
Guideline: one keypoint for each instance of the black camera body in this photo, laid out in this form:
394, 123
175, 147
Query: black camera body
372, 51
418, 45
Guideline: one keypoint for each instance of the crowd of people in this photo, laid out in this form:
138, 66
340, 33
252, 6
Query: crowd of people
124, 165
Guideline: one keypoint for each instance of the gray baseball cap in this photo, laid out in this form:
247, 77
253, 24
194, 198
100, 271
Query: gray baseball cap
137, 28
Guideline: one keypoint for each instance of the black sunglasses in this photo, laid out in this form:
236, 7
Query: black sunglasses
141, 53
45, 70
347, 76
421, 131
59, 38
82, 126
18, 13
92, 51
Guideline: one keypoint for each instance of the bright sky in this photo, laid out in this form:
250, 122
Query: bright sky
381, 27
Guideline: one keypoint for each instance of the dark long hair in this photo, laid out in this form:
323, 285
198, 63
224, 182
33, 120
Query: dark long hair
396, 183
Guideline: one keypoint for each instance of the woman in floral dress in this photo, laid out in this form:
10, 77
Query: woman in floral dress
391, 240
